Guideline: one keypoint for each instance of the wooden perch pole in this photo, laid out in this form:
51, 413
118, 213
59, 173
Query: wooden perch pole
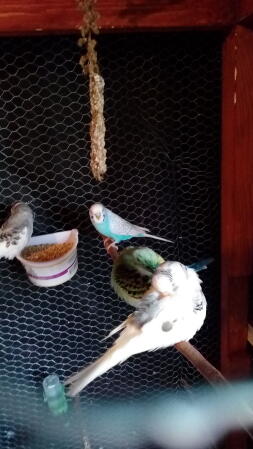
205, 368
110, 247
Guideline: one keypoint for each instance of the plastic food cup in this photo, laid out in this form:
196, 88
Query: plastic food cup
57, 271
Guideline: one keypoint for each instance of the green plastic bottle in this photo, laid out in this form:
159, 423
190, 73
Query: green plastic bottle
54, 395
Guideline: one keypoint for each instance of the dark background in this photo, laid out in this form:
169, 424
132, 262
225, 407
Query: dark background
162, 111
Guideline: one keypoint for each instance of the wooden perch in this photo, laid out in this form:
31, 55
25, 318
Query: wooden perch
206, 369
110, 247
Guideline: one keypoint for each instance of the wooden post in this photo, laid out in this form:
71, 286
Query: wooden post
62, 16
236, 205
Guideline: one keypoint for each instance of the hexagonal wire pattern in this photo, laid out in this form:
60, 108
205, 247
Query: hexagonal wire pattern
162, 110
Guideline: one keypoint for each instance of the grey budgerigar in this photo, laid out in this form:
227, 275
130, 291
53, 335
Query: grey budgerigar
16, 231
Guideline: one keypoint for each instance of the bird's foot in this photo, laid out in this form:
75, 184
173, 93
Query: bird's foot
113, 245
110, 247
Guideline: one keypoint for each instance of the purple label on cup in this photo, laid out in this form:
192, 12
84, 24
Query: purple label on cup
53, 276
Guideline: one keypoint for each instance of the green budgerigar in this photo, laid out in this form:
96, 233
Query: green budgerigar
133, 269
132, 273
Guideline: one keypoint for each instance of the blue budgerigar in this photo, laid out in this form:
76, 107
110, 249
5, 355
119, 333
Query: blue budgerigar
111, 225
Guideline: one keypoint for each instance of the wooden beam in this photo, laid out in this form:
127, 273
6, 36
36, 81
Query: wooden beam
237, 196
62, 16
237, 206
244, 11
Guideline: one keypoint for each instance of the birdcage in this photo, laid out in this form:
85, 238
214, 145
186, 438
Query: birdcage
164, 106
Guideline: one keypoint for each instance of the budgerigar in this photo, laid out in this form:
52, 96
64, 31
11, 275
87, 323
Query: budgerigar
17, 230
111, 225
133, 269
173, 310
132, 272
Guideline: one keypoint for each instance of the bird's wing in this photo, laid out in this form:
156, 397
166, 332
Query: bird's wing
199, 301
129, 284
12, 241
148, 308
122, 227
194, 284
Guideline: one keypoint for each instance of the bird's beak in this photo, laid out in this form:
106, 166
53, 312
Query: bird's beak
98, 216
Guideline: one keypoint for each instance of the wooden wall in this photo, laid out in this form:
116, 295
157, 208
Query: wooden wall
37, 16
237, 206
237, 196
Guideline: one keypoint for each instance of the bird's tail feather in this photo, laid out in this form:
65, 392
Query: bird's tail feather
118, 353
115, 330
202, 264
143, 229
157, 238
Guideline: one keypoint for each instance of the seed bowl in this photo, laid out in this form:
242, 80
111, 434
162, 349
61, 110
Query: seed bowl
58, 270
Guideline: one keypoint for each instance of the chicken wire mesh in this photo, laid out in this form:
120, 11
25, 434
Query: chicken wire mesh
162, 111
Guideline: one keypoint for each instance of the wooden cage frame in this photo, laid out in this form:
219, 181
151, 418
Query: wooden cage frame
236, 18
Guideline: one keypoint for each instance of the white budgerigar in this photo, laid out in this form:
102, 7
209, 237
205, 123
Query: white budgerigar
16, 231
172, 311
116, 228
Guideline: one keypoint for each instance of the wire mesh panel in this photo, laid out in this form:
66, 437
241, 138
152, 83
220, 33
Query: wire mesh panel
162, 109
